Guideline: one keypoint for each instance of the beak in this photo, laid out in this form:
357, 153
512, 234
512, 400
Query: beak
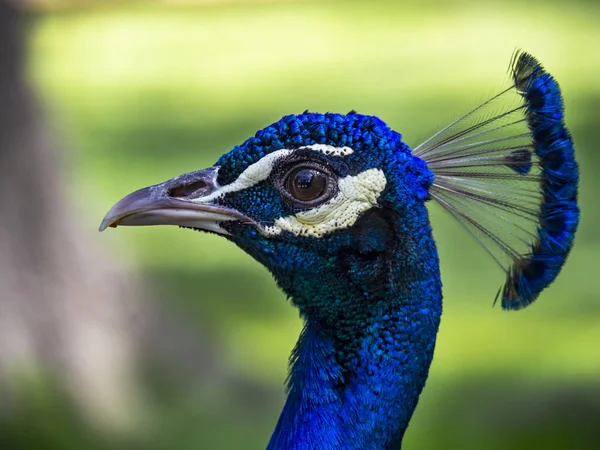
185, 200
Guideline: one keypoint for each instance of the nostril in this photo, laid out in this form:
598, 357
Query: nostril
186, 190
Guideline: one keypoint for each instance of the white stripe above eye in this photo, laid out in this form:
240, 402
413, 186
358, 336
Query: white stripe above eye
356, 195
254, 174
330, 150
260, 170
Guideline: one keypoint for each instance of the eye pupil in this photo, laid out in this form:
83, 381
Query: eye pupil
307, 184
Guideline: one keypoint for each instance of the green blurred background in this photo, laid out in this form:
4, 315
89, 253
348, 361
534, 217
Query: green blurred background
137, 92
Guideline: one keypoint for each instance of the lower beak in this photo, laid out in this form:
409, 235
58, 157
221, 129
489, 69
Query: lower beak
178, 201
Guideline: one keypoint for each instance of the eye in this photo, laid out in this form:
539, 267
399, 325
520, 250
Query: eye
307, 183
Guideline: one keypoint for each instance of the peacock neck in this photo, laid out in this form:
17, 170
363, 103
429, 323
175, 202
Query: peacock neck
356, 377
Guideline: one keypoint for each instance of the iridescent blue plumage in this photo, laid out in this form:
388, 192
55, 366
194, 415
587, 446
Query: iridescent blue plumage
559, 213
371, 302
511, 179
335, 207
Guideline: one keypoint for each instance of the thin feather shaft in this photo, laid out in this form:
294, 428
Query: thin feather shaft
417, 151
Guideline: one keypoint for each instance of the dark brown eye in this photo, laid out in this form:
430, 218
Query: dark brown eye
307, 184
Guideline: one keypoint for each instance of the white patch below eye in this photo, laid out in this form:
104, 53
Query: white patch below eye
356, 195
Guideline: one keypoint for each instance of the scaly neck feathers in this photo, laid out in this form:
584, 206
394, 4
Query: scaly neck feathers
362, 360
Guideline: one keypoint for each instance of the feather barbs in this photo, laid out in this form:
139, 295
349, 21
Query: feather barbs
510, 178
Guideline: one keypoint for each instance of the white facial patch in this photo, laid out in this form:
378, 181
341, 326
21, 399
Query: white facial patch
356, 194
254, 174
330, 150
260, 170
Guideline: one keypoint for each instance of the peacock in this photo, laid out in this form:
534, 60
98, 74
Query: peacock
334, 206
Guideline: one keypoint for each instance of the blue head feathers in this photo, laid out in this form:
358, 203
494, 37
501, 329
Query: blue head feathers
366, 169
334, 206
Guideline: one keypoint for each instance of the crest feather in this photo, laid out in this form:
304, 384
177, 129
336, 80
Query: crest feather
506, 171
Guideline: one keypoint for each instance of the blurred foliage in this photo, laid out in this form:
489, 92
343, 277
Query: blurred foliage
141, 92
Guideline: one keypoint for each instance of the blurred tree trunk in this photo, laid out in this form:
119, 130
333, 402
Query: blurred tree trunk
62, 306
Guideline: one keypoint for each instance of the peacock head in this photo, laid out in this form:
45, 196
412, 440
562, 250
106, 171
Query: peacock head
308, 196
334, 206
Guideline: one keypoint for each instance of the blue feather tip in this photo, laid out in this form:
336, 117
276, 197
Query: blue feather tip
559, 212
506, 171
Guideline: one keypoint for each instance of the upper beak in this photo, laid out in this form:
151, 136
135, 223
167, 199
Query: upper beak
178, 201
